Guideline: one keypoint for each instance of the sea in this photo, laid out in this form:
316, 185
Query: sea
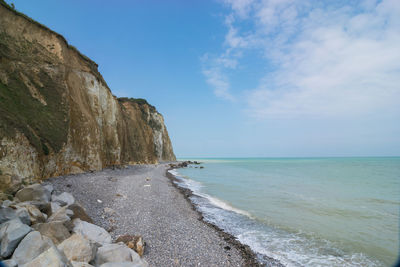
303, 211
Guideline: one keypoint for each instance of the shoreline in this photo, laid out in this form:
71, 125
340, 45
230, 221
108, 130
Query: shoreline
144, 200
247, 253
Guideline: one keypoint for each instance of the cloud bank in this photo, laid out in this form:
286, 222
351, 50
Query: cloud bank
322, 58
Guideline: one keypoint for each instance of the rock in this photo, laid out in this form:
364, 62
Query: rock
34, 213
23, 215
91, 232
54, 207
33, 192
77, 248
51, 257
125, 264
79, 213
117, 253
61, 215
10, 263
30, 247
6, 214
63, 199
56, 231
134, 242
49, 188
7, 203
11, 233
80, 264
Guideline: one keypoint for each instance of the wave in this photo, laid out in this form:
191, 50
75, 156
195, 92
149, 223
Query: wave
291, 249
195, 187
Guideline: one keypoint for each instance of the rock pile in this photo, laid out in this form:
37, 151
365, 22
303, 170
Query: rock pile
40, 228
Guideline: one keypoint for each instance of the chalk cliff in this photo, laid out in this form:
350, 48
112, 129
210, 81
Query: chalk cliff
57, 114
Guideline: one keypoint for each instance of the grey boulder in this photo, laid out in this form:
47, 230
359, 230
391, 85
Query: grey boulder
6, 214
91, 232
61, 215
51, 257
30, 247
63, 199
56, 231
35, 192
117, 253
11, 233
10, 263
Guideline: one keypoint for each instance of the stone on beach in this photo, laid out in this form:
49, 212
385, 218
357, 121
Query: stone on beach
91, 232
61, 215
33, 192
79, 213
11, 233
23, 215
30, 247
63, 199
10, 263
35, 215
54, 207
51, 257
56, 231
117, 253
77, 248
134, 242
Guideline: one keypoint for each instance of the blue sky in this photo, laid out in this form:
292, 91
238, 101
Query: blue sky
248, 78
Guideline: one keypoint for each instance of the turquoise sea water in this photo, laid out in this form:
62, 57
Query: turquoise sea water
304, 211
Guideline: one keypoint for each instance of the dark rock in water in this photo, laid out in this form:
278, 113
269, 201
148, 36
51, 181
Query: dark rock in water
201, 167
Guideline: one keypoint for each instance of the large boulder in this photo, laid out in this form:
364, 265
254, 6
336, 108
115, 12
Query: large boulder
56, 231
79, 213
63, 199
33, 192
35, 215
11, 233
61, 215
10, 263
30, 247
23, 215
117, 253
54, 207
134, 242
79, 249
91, 232
51, 257
6, 214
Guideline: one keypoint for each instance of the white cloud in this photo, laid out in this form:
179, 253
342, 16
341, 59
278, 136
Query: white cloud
327, 60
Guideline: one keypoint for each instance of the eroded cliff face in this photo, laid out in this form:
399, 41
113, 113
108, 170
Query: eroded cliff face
57, 114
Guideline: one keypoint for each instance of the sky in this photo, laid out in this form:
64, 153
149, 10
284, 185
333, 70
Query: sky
248, 78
